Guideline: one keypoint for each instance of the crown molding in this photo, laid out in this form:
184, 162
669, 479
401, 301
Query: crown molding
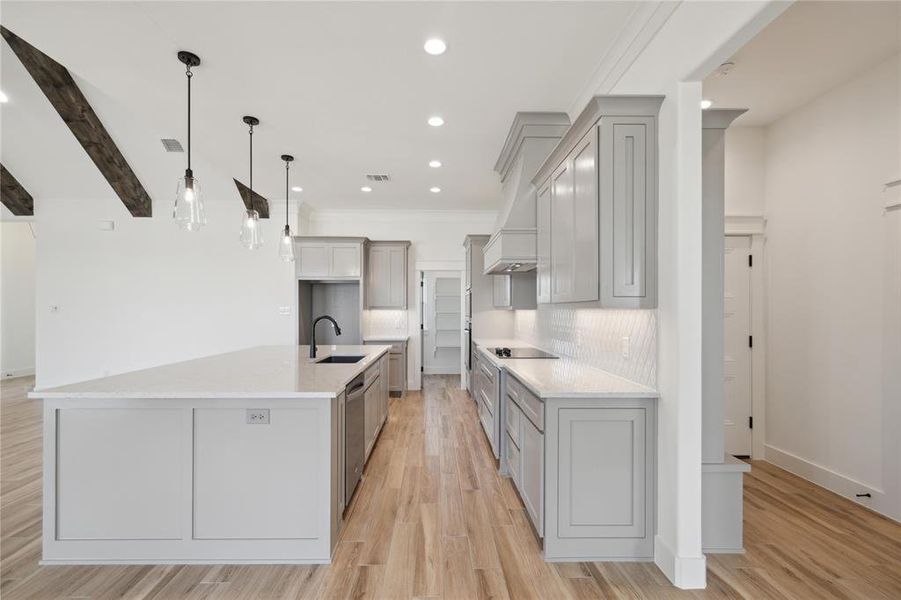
544, 125
404, 215
745, 225
720, 118
640, 28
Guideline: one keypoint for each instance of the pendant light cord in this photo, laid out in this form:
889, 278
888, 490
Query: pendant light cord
251, 167
287, 164
188, 74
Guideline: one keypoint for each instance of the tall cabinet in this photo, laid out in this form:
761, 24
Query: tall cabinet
597, 207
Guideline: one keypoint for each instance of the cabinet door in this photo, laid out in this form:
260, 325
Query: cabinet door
585, 220
396, 376
544, 244
501, 291
379, 275
468, 278
345, 260
397, 277
532, 473
384, 377
628, 212
370, 410
602, 472
562, 218
312, 260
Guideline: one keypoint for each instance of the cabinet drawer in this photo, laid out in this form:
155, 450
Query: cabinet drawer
513, 417
531, 406
514, 465
487, 400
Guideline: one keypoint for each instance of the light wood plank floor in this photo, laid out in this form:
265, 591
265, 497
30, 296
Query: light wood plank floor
433, 519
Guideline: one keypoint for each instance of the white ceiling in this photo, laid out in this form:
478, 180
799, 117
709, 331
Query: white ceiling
809, 49
344, 87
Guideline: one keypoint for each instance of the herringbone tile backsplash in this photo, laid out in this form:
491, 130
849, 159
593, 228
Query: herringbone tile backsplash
594, 336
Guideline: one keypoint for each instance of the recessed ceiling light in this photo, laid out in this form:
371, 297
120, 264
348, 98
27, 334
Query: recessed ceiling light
435, 189
435, 46
296, 188
436, 121
365, 188
705, 104
3, 97
434, 163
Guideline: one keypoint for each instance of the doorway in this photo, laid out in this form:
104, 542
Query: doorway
737, 344
440, 322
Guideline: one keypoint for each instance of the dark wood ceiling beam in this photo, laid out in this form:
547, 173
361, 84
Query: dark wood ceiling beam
13, 196
63, 93
259, 203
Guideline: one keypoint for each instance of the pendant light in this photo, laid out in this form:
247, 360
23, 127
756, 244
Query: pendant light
188, 211
251, 235
286, 247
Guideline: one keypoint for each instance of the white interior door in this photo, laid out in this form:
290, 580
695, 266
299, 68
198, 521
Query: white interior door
737, 345
441, 322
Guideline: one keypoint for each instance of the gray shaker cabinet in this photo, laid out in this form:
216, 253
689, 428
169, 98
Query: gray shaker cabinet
628, 247
387, 275
597, 233
532, 472
543, 282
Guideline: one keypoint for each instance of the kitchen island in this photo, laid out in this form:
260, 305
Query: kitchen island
233, 458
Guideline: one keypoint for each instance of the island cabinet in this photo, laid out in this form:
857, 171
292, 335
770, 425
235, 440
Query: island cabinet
585, 471
386, 279
397, 363
597, 208
329, 257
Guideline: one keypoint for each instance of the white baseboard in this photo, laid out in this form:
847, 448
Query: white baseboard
833, 481
18, 373
685, 572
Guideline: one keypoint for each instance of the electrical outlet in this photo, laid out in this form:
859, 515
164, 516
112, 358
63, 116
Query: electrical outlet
284, 310
625, 346
257, 416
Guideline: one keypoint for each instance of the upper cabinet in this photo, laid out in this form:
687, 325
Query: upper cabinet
386, 281
597, 207
329, 258
543, 282
516, 291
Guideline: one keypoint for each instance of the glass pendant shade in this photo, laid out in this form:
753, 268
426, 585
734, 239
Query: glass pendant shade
188, 212
251, 233
286, 247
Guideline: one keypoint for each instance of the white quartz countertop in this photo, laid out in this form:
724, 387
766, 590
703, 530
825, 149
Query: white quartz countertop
396, 337
261, 372
562, 377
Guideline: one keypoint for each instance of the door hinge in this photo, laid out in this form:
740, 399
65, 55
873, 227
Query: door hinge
750, 260
421, 326
421, 283
750, 341
750, 422
422, 369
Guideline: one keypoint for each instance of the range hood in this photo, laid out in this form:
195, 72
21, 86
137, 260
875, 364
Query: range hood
514, 245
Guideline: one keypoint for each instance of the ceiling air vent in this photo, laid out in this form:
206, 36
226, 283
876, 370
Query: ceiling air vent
172, 145
378, 177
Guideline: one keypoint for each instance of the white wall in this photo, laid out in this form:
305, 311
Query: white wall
834, 304
436, 242
745, 164
17, 273
148, 293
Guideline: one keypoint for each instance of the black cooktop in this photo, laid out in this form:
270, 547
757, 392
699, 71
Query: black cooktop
521, 353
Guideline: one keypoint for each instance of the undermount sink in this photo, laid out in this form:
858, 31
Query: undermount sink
340, 359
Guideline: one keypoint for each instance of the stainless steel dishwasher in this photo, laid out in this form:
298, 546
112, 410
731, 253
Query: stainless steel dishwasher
354, 434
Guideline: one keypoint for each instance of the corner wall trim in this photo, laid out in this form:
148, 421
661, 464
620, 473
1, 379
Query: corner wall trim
685, 572
745, 225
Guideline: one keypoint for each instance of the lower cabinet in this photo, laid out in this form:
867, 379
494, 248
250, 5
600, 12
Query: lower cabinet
487, 378
532, 473
584, 469
397, 364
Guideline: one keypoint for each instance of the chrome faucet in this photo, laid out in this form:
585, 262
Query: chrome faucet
313, 332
